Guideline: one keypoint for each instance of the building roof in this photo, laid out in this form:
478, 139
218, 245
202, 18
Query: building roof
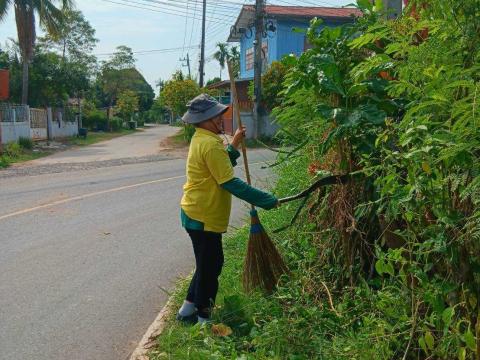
226, 83
246, 17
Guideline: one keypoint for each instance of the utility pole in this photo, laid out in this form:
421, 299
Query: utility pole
202, 50
187, 59
257, 66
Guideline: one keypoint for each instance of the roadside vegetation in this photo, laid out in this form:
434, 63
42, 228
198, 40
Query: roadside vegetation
20, 151
386, 266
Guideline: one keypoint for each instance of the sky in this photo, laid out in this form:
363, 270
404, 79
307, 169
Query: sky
150, 25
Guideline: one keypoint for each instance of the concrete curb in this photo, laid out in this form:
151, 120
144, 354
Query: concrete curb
155, 329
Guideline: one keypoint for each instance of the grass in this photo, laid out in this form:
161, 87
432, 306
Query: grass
96, 137
26, 155
260, 324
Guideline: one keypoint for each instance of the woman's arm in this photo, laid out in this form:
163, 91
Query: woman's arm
250, 194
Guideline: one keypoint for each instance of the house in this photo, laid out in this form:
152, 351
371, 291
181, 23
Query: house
279, 40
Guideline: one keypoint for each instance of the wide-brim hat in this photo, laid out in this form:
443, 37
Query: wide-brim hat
203, 108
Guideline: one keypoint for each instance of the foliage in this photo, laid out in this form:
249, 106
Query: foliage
127, 104
12, 149
272, 82
386, 266
75, 38
221, 55
115, 123
118, 75
213, 81
25, 143
51, 18
177, 92
96, 120
224, 54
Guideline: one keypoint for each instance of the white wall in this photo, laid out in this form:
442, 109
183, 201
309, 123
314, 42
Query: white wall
38, 133
266, 127
11, 131
63, 129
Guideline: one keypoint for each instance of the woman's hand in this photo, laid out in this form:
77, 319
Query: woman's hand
238, 137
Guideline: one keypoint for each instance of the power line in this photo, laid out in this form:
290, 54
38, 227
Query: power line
176, 4
185, 30
167, 11
146, 52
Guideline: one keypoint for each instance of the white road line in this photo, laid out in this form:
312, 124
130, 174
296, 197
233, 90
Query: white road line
85, 196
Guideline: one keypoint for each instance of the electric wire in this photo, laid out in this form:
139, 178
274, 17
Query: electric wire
176, 5
168, 11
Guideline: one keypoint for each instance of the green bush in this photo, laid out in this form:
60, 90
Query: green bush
96, 120
188, 132
116, 124
13, 150
25, 143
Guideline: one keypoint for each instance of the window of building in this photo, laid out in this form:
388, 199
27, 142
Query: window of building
249, 56
249, 59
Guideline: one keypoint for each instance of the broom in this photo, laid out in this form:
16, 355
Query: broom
263, 263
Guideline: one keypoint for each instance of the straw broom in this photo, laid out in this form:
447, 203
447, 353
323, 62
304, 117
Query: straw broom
263, 264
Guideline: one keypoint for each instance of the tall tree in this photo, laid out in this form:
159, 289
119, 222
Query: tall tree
119, 74
221, 55
50, 17
234, 58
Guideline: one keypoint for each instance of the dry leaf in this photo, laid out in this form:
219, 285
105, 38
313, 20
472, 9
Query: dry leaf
221, 330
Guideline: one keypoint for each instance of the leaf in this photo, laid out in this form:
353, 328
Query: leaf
365, 5
462, 353
423, 345
380, 266
426, 168
470, 340
389, 269
447, 316
429, 340
221, 330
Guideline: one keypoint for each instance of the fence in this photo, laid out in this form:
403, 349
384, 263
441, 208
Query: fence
37, 124
13, 113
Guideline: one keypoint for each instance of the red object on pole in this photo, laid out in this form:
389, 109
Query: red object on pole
4, 84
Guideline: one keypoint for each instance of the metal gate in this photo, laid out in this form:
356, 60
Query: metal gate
38, 124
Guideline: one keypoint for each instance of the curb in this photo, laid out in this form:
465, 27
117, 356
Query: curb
154, 330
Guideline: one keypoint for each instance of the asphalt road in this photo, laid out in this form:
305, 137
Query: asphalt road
87, 254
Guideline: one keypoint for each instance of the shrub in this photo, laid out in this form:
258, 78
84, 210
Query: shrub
116, 123
96, 120
25, 143
13, 150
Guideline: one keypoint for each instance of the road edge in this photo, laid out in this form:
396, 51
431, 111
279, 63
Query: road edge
154, 330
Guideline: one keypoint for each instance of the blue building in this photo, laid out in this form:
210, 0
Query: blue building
280, 39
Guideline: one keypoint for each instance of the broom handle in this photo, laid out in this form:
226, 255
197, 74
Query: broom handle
239, 121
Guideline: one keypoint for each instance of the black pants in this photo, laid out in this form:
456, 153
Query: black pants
203, 289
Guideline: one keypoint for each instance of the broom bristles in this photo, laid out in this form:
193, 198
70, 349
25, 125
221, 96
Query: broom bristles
263, 264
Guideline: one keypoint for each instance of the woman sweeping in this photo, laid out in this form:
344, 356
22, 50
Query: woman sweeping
206, 202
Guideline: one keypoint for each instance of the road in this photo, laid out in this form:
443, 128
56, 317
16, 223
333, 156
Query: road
87, 254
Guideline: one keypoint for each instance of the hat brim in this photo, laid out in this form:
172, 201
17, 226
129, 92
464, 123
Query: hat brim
196, 118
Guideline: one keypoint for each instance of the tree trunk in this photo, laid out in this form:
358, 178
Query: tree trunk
25, 82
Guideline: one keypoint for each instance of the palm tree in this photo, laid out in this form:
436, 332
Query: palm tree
50, 17
221, 55
234, 58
